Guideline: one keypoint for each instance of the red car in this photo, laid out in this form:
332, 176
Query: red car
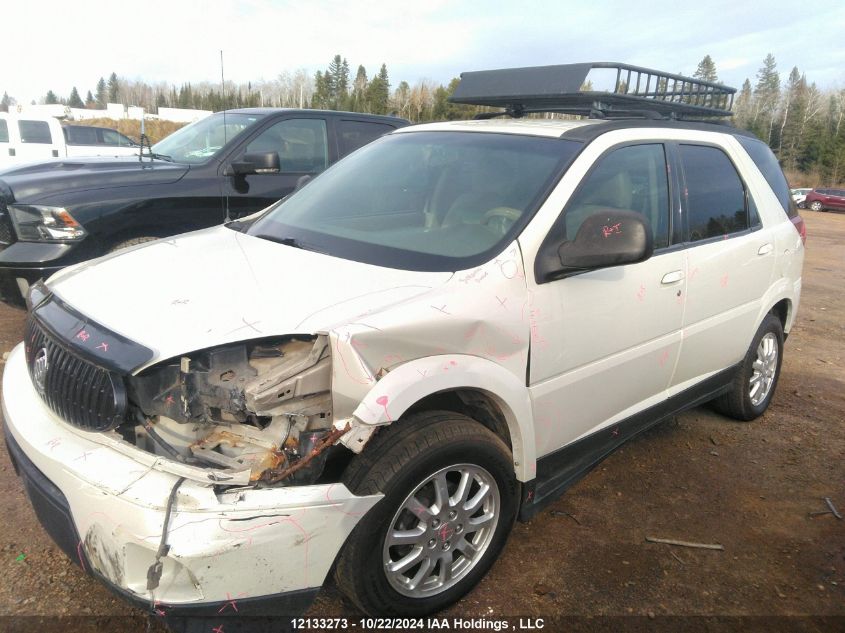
824, 199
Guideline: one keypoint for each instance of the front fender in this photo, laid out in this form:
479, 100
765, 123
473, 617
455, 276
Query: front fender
409, 383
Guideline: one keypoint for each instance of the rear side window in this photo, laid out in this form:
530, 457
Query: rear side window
770, 168
355, 134
81, 135
4, 131
302, 144
35, 132
715, 194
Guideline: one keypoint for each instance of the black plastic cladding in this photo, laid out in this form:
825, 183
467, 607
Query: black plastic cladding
592, 131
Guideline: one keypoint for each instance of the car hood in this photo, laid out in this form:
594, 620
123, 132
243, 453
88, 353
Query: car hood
219, 286
33, 182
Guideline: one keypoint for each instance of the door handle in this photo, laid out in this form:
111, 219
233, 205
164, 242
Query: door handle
765, 249
671, 278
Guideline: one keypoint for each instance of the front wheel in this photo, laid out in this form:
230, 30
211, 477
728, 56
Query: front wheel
450, 500
816, 206
755, 381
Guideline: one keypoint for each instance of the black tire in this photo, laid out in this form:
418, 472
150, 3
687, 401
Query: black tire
396, 462
738, 402
133, 242
816, 206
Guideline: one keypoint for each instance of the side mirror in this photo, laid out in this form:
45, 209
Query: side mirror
254, 163
605, 238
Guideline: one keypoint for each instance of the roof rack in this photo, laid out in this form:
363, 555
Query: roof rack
635, 92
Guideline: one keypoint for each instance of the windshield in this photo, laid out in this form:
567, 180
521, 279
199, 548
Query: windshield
199, 141
432, 201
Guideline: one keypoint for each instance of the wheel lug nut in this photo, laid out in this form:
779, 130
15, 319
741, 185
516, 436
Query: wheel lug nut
435, 523
452, 514
432, 543
459, 528
446, 546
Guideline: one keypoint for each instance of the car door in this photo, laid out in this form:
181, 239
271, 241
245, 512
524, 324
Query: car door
303, 148
730, 261
37, 141
6, 151
604, 343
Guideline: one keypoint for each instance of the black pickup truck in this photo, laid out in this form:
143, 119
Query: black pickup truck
228, 165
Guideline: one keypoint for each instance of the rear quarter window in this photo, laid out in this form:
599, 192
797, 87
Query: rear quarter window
356, 134
4, 131
770, 168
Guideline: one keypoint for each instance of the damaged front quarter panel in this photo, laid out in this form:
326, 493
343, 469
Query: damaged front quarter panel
259, 406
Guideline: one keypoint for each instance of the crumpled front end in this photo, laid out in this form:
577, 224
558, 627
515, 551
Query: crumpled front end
223, 542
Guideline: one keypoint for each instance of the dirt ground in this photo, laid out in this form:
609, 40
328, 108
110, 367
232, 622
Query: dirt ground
757, 489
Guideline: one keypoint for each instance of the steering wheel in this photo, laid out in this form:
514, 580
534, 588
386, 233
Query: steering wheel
501, 218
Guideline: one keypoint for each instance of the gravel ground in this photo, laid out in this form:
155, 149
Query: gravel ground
755, 488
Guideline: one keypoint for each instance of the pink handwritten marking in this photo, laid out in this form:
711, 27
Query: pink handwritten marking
693, 273
83, 336
156, 610
724, 280
84, 456
103, 346
615, 432
641, 293
79, 555
340, 355
441, 309
607, 231
422, 373
382, 400
336, 507
218, 629
502, 302
54, 442
679, 299
169, 399
391, 359
231, 601
664, 357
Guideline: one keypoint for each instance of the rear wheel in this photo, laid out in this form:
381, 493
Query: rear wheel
816, 205
755, 382
450, 500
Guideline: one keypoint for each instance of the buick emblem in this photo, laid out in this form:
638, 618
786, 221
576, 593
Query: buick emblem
39, 370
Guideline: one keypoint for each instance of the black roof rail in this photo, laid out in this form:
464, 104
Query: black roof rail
635, 92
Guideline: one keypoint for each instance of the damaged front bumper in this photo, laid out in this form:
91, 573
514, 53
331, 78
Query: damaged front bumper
238, 546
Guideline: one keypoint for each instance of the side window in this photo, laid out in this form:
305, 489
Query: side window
355, 134
632, 178
4, 131
715, 194
81, 135
301, 143
35, 132
110, 137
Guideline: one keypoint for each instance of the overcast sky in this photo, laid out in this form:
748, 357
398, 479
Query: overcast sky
57, 45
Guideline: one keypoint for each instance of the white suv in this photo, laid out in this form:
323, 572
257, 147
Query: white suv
382, 372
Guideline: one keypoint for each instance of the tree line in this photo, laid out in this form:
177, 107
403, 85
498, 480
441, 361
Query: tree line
800, 122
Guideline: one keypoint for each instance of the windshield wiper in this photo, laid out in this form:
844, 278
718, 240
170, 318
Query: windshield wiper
169, 159
288, 241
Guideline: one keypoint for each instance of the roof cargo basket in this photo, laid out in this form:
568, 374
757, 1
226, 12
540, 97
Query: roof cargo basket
596, 89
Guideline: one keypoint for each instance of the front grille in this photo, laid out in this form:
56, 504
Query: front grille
78, 391
7, 234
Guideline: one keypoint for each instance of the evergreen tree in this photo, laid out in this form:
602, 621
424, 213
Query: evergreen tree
445, 110
766, 95
75, 101
5, 102
322, 94
161, 101
90, 103
743, 106
378, 92
359, 91
113, 88
51, 98
102, 94
706, 70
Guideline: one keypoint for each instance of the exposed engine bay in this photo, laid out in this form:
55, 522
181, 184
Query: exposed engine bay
257, 412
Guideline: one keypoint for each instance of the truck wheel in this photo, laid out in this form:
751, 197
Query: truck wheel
133, 242
450, 500
755, 382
